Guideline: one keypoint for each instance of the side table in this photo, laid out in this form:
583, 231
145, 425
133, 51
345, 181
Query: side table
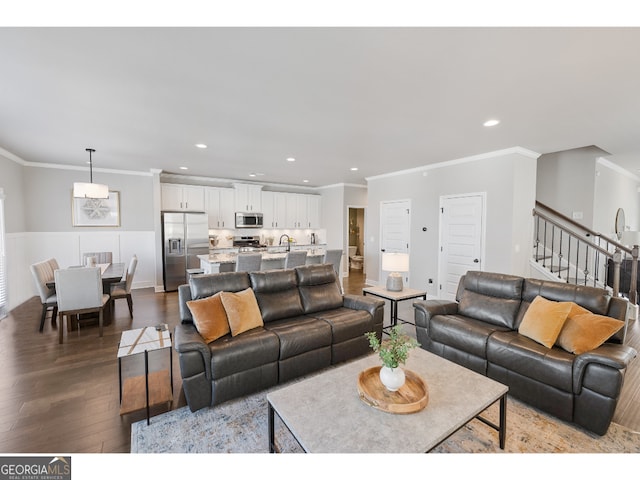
394, 298
151, 388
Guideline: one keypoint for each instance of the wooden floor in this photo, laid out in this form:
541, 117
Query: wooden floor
65, 398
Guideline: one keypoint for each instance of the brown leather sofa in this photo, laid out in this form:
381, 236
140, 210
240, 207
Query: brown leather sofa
308, 325
480, 331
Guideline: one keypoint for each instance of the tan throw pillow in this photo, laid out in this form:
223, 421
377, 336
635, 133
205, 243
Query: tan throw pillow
242, 310
209, 317
543, 320
587, 331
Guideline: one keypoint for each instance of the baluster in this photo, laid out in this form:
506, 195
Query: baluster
553, 241
569, 259
560, 257
537, 239
544, 247
586, 263
577, 260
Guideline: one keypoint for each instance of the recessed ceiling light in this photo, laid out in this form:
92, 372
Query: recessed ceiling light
291, 159
201, 145
354, 169
184, 168
305, 181
491, 123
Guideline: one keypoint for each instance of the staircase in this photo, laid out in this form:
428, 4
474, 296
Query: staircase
565, 250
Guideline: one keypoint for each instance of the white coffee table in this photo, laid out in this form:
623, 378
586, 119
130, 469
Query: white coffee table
325, 414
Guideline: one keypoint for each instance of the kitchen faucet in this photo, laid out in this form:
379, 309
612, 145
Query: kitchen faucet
288, 241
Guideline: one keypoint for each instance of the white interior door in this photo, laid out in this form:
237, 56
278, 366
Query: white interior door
461, 240
394, 231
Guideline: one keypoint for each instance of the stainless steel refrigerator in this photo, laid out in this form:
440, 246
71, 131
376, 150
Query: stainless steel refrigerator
184, 236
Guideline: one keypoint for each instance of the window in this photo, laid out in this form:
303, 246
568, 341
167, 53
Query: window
3, 263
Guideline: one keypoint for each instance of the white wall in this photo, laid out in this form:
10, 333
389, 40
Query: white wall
508, 179
39, 223
615, 188
566, 182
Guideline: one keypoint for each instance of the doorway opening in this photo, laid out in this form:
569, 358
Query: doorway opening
355, 254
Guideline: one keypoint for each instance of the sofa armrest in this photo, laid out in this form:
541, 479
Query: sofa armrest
374, 306
425, 309
192, 349
612, 355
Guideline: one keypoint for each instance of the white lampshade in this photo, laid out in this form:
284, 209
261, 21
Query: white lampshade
395, 262
90, 190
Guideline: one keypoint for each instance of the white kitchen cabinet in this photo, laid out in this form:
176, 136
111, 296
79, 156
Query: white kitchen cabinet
220, 203
248, 197
182, 197
274, 209
303, 211
313, 211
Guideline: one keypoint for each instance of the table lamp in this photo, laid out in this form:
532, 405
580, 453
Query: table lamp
395, 263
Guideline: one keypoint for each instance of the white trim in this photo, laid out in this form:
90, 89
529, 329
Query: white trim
86, 169
617, 168
448, 163
11, 156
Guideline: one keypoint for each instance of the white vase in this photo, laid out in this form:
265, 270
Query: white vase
392, 378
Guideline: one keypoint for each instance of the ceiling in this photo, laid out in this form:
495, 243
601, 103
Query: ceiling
379, 99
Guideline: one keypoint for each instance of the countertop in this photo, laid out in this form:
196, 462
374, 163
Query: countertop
231, 257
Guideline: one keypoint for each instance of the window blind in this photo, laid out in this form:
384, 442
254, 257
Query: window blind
3, 263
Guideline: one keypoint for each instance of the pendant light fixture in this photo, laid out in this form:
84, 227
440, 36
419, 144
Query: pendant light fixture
90, 190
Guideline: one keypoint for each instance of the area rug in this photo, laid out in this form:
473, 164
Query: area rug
240, 426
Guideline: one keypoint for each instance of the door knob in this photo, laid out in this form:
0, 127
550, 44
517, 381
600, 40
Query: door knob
475, 260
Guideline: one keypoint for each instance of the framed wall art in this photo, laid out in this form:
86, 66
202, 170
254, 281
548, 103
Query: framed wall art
96, 212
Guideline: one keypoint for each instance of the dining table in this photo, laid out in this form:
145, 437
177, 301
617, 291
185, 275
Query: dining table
111, 273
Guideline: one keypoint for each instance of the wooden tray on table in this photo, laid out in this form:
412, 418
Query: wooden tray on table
412, 397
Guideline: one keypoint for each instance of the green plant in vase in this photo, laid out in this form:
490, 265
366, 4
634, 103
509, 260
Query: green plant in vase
393, 352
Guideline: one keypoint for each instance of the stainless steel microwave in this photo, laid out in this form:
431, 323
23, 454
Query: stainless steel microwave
248, 220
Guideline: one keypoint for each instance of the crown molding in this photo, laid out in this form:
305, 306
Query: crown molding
474, 158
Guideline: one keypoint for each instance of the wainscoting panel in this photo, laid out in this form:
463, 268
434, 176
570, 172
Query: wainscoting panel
24, 249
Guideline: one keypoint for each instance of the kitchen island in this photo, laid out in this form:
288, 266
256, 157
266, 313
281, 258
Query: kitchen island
271, 260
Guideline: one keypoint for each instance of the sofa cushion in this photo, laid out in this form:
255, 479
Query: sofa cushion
209, 317
596, 300
252, 349
318, 288
345, 323
491, 297
462, 333
543, 320
587, 331
517, 353
300, 335
277, 294
242, 311
203, 286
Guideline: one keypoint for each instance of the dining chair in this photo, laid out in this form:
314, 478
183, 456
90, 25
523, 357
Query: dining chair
43, 272
101, 257
79, 291
334, 257
295, 258
123, 289
248, 262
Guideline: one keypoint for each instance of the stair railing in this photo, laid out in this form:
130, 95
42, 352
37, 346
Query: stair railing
580, 255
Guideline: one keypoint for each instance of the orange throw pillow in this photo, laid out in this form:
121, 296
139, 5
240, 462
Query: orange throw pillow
587, 331
543, 320
209, 317
242, 310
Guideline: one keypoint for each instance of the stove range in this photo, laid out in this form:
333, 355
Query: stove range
249, 244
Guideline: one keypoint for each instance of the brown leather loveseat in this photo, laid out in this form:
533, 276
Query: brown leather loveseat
482, 330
